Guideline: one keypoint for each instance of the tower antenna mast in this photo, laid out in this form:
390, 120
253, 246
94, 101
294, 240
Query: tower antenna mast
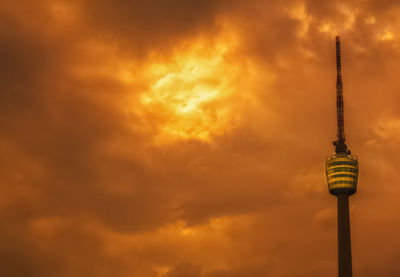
340, 144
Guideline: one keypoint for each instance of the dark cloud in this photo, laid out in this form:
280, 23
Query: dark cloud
187, 270
142, 26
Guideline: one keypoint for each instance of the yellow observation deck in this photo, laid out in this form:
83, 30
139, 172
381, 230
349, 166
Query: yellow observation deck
342, 173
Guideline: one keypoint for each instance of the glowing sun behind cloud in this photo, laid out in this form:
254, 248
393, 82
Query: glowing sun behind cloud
193, 91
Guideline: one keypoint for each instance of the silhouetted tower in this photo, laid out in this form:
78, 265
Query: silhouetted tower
342, 176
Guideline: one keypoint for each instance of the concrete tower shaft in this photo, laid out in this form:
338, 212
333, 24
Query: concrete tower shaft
345, 268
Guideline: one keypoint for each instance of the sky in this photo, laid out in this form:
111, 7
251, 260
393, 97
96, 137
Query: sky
176, 138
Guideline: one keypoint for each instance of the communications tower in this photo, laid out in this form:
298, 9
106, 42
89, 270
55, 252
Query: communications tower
342, 176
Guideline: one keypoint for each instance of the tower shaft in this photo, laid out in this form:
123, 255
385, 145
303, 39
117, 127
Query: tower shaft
344, 242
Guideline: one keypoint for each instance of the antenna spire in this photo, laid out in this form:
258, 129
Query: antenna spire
340, 144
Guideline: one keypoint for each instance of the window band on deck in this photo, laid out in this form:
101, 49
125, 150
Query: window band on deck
342, 183
342, 163
342, 169
342, 175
